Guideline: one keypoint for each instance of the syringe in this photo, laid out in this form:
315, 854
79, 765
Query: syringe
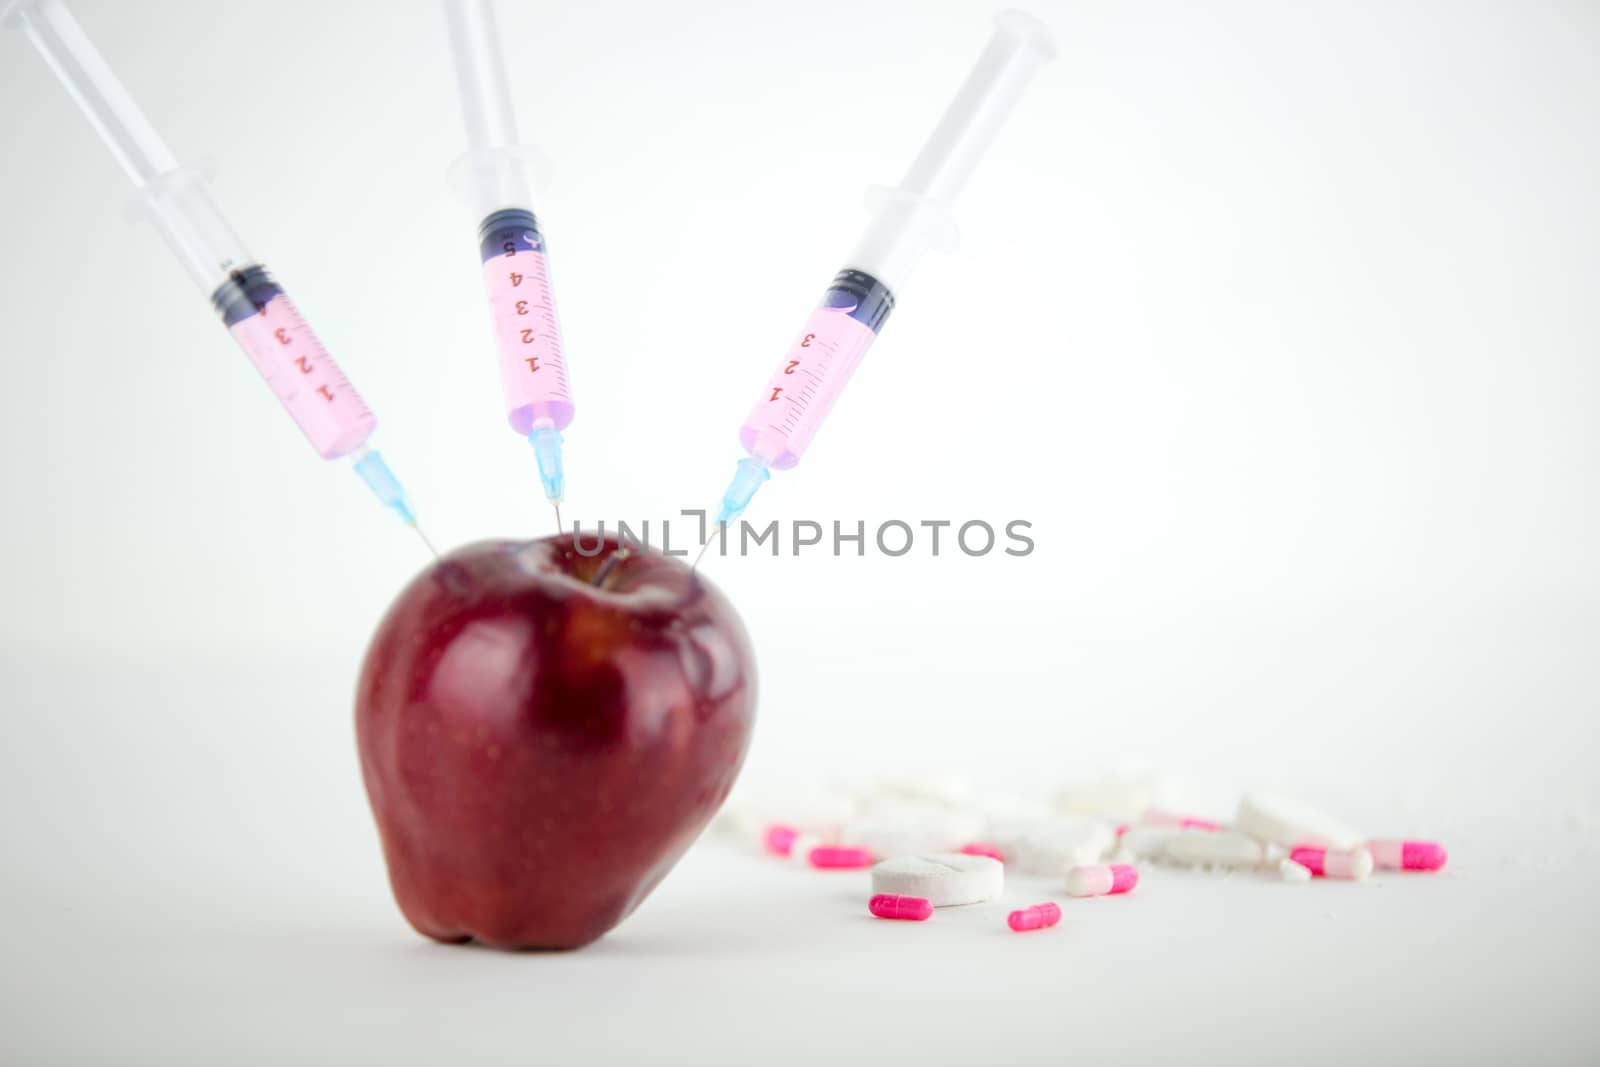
255, 310
492, 178
907, 220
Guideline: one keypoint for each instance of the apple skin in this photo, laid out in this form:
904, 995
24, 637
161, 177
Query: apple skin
544, 733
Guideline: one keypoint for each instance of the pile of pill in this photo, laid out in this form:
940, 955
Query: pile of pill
932, 845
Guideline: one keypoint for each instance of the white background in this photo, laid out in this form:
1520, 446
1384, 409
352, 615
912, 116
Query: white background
1277, 322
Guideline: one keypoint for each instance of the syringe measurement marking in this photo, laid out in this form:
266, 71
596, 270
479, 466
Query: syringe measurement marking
542, 309
307, 363
801, 396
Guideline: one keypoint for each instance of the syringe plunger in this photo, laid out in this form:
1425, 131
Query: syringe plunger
916, 215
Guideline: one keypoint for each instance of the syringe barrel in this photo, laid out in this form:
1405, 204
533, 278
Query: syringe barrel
527, 332
293, 362
91, 83
915, 216
802, 390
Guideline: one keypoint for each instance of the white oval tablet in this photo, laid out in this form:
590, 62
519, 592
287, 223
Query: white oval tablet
945, 878
1145, 842
1055, 846
1214, 848
911, 829
1291, 824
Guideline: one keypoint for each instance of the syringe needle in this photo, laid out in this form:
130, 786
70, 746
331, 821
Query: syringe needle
701, 554
559, 527
425, 541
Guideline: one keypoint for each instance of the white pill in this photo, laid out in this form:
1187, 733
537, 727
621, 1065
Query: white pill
945, 878
1214, 848
1290, 823
902, 829
1145, 842
951, 790
1122, 799
1007, 809
1055, 846
1290, 871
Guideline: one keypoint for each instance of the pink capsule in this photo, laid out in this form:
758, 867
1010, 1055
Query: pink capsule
895, 906
1155, 817
983, 848
1037, 917
779, 839
1406, 855
1101, 879
1352, 863
839, 857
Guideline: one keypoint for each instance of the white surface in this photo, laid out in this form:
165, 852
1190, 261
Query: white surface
1287, 323
191, 876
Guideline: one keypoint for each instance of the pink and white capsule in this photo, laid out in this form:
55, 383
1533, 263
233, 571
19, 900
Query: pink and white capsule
1352, 863
1406, 855
895, 906
839, 857
1037, 917
983, 848
1101, 879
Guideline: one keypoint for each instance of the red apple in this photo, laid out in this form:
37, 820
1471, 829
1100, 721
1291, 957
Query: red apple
543, 733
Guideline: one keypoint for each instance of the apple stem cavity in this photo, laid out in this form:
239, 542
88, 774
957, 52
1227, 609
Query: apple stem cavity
605, 568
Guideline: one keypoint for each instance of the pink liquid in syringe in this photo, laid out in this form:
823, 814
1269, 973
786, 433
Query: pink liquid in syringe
533, 370
800, 393
294, 363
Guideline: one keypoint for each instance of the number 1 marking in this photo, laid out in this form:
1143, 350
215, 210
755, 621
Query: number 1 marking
776, 389
325, 391
533, 364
